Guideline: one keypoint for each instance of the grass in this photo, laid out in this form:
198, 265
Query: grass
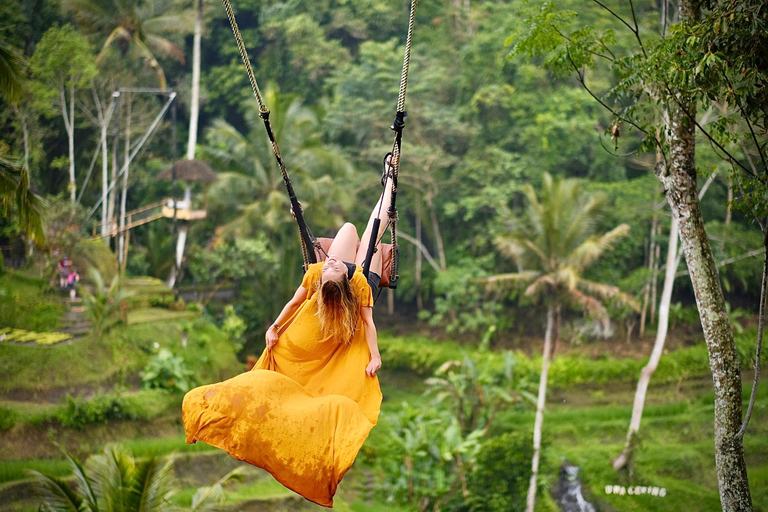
28, 303
422, 356
676, 450
144, 315
117, 357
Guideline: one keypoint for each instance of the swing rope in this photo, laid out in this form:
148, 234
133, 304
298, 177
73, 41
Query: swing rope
397, 127
305, 235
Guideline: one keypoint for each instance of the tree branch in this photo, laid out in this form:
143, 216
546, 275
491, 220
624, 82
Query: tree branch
637, 30
728, 261
760, 329
580, 78
701, 129
424, 251
615, 15
749, 124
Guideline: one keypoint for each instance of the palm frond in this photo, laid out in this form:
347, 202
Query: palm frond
12, 64
538, 286
608, 292
153, 484
590, 250
514, 278
56, 494
113, 472
181, 23
117, 34
84, 484
164, 47
211, 498
511, 246
590, 305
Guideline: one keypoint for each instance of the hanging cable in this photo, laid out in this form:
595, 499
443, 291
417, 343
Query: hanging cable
307, 240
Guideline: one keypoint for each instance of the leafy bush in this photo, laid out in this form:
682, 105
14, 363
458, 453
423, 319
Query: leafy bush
105, 306
234, 327
167, 371
423, 356
79, 413
501, 476
8, 418
27, 303
426, 454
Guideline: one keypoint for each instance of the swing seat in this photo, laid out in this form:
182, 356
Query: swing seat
386, 258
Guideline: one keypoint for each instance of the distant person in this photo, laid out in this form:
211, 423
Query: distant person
310, 401
72, 279
64, 264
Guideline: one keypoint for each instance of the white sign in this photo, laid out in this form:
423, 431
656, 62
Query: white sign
636, 490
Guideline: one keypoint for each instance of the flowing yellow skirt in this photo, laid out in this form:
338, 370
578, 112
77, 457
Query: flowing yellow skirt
302, 413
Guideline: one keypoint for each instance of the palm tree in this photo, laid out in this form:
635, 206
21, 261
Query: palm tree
137, 27
15, 189
557, 238
114, 480
252, 180
14, 176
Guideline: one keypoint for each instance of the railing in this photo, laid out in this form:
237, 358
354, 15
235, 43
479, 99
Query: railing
133, 218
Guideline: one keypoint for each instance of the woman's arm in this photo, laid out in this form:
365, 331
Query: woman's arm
288, 311
373, 342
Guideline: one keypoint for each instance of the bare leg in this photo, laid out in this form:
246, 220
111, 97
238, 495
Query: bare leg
381, 206
344, 244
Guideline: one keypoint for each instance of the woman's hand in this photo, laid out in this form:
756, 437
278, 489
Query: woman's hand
373, 366
271, 337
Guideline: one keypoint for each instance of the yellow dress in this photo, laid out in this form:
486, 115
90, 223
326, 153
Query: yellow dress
304, 410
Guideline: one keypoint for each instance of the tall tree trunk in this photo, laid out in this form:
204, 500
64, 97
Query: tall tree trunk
68, 113
679, 180
658, 348
419, 299
729, 203
438, 235
113, 177
194, 108
194, 113
651, 263
104, 122
655, 274
124, 192
537, 427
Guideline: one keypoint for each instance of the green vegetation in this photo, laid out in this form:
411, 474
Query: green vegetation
27, 303
9, 335
114, 358
506, 158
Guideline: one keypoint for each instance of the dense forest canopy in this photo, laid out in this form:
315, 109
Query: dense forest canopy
480, 126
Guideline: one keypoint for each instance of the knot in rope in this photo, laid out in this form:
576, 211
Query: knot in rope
399, 122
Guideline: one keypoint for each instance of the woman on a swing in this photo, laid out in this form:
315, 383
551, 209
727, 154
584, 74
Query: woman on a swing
308, 405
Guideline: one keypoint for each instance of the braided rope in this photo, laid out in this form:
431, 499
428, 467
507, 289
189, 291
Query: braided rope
244, 55
401, 94
393, 216
407, 58
264, 114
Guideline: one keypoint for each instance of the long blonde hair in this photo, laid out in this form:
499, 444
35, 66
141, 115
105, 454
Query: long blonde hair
338, 309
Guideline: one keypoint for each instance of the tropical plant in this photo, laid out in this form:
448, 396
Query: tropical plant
167, 371
15, 189
475, 389
114, 480
557, 241
251, 182
429, 458
136, 27
12, 66
105, 306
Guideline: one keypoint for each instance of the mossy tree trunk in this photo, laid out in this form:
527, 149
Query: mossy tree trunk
679, 179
